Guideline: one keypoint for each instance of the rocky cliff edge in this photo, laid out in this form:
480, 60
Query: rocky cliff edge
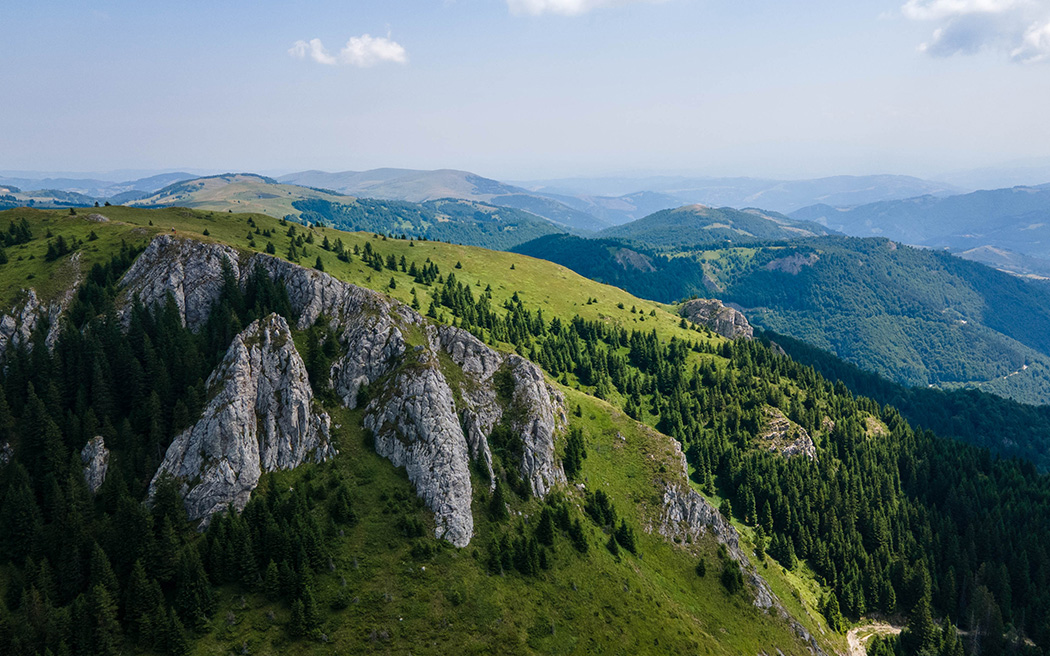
423, 417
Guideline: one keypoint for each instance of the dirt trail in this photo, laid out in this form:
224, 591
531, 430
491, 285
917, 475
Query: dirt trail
857, 637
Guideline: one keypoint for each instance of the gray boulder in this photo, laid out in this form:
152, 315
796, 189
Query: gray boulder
95, 457
724, 320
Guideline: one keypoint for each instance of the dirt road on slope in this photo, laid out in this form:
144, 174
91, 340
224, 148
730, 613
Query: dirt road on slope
859, 636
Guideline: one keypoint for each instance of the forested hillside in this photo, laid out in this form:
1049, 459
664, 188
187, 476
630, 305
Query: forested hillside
458, 221
879, 517
699, 224
919, 317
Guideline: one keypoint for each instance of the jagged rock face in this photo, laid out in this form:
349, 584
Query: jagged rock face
416, 427
17, 326
95, 457
19, 323
260, 418
686, 514
536, 409
785, 436
422, 423
724, 320
6, 453
191, 271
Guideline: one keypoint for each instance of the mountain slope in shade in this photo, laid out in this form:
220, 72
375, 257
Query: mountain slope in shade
699, 224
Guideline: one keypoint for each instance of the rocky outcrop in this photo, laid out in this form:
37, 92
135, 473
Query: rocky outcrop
261, 418
724, 320
6, 453
415, 426
17, 326
785, 436
22, 320
536, 409
424, 416
191, 271
686, 516
95, 457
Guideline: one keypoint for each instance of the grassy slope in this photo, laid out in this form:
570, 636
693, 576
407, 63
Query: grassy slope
593, 603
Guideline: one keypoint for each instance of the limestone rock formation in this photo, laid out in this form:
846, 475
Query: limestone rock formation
261, 418
420, 420
17, 326
686, 514
415, 426
785, 436
95, 457
724, 320
191, 271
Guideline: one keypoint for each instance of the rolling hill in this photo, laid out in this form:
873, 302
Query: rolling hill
699, 224
421, 186
460, 221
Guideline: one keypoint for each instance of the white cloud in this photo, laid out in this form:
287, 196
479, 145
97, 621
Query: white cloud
563, 7
1035, 46
361, 51
1018, 28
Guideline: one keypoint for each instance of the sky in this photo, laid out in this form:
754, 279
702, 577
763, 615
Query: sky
520, 89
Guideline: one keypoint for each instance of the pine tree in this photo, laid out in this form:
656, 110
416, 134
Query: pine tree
920, 634
140, 603
106, 633
297, 623
193, 594
578, 537
498, 503
102, 573
545, 528
272, 582
625, 536
175, 643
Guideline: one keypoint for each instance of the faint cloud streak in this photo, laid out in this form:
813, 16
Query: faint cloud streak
564, 7
360, 51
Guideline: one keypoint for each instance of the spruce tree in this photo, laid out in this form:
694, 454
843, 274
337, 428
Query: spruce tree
498, 503
545, 528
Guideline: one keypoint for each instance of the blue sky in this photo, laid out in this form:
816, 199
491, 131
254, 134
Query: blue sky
526, 88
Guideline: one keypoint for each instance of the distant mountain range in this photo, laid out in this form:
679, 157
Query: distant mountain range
98, 189
1016, 219
1008, 229
776, 195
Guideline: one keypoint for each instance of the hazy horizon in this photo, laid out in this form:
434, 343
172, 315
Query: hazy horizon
528, 89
